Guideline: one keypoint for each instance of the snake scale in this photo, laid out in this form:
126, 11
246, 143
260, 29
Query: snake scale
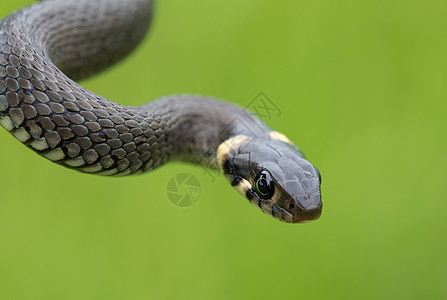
46, 47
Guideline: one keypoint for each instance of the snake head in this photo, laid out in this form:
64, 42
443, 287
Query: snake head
273, 175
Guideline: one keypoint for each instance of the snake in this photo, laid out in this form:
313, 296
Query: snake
47, 47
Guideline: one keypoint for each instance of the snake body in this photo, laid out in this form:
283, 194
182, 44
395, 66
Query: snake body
45, 47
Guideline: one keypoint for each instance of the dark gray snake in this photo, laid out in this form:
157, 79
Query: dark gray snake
44, 48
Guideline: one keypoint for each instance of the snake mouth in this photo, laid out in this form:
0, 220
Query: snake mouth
297, 216
309, 214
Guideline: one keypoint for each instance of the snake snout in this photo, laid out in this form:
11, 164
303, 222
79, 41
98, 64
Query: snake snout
308, 210
308, 214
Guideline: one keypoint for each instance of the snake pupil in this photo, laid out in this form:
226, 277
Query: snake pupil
264, 185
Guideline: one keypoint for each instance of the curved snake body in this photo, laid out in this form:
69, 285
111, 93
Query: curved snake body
44, 48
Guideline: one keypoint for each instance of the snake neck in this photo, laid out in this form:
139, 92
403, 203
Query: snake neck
199, 125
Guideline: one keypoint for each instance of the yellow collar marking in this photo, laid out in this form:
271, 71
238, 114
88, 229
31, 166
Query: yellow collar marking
279, 137
229, 146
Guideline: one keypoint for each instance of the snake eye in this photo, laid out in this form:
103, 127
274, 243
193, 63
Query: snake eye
264, 185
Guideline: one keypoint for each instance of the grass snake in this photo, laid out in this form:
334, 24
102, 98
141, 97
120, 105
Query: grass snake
46, 47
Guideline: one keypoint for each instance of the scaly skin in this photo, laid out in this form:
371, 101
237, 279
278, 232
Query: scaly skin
45, 47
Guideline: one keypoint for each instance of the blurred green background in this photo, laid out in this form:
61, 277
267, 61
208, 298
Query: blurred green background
362, 89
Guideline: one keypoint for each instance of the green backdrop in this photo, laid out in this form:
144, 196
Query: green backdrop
362, 90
